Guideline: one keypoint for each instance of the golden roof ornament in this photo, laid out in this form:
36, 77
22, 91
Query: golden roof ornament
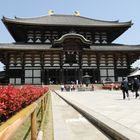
50, 12
76, 13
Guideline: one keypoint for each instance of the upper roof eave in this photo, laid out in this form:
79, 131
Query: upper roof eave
66, 20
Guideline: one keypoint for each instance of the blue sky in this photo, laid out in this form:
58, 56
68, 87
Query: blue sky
122, 10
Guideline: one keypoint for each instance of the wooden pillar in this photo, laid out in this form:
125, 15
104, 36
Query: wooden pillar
6, 57
98, 67
80, 68
66, 76
33, 126
45, 102
128, 62
42, 108
115, 68
75, 75
61, 75
23, 70
80, 75
93, 75
42, 68
47, 76
42, 76
61, 71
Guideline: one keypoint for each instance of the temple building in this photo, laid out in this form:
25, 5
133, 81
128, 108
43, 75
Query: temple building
62, 48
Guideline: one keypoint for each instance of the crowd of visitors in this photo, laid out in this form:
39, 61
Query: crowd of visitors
78, 87
125, 87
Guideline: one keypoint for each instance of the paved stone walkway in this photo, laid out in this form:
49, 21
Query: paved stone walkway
68, 124
111, 105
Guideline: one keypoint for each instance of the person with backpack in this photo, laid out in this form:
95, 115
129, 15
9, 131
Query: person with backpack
124, 88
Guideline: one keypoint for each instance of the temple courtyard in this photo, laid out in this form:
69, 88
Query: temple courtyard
104, 108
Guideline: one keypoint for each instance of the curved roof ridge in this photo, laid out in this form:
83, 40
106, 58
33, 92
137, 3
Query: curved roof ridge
115, 21
85, 18
7, 18
27, 18
38, 17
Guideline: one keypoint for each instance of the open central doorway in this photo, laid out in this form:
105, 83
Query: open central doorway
71, 75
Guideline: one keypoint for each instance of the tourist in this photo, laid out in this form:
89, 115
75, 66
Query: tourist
135, 86
72, 87
62, 87
124, 88
67, 87
92, 87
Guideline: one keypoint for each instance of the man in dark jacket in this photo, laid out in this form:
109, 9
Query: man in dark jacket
124, 88
136, 84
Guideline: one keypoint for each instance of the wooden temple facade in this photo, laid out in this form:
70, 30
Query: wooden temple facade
62, 48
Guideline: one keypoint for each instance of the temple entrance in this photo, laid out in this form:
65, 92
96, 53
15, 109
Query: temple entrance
71, 75
51, 76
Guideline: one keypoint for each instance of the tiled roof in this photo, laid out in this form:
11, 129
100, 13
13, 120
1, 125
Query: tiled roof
43, 47
66, 20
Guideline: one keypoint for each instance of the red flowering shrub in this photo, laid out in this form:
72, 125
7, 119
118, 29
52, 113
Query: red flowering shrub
111, 86
13, 99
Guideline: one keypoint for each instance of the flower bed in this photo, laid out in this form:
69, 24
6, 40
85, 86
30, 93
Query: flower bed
13, 99
107, 87
111, 86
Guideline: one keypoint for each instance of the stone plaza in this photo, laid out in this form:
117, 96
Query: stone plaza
108, 105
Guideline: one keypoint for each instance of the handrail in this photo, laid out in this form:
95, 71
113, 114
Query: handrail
8, 129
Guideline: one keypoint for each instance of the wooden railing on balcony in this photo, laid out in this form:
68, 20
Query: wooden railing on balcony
9, 128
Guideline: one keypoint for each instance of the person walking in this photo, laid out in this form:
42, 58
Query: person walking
124, 88
136, 84
62, 87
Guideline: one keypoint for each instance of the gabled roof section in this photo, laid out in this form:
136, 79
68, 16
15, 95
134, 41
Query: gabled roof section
67, 20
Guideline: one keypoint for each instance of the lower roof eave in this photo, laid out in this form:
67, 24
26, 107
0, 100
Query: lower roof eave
48, 47
95, 50
27, 47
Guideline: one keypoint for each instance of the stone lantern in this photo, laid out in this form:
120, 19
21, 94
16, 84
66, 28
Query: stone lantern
86, 79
